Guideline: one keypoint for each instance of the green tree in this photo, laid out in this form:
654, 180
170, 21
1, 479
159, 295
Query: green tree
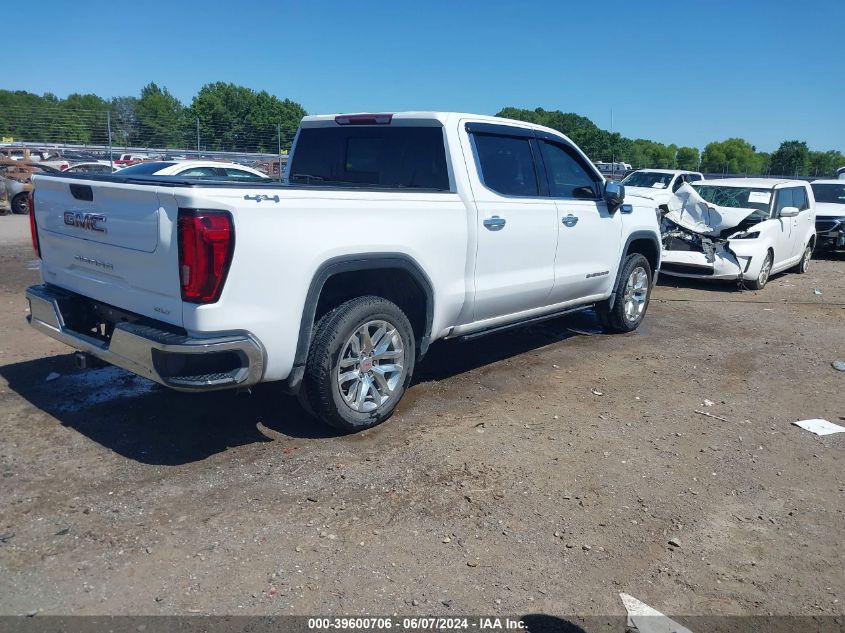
733, 156
236, 118
162, 120
595, 142
687, 158
792, 158
124, 121
83, 118
825, 164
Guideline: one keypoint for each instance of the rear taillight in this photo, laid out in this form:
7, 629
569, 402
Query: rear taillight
33, 228
206, 244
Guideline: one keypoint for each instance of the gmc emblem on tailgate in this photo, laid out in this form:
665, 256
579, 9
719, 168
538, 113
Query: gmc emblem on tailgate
87, 221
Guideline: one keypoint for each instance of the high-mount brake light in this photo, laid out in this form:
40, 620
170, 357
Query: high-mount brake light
206, 245
363, 119
33, 227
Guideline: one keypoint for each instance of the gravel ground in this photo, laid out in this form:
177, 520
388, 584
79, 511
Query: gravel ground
546, 470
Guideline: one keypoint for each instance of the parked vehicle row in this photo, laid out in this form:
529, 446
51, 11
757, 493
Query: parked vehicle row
391, 231
63, 159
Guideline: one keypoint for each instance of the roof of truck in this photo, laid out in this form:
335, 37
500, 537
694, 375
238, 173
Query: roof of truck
442, 117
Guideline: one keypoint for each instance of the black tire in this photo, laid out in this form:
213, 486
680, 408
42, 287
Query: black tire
332, 337
617, 318
20, 203
762, 279
804, 263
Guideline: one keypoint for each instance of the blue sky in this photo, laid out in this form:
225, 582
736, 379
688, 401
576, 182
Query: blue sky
682, 72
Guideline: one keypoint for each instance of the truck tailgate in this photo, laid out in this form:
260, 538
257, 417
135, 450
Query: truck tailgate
113, 242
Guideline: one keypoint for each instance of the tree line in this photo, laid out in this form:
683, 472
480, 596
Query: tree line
731, 156
227, 117
222, 116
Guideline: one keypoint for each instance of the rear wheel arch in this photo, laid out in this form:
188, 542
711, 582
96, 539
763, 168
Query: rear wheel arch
402, 281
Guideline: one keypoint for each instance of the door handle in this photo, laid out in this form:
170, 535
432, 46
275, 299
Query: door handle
495, 223
569, 220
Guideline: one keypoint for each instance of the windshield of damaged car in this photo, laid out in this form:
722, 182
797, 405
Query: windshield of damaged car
827, 192
736, 197
650, 179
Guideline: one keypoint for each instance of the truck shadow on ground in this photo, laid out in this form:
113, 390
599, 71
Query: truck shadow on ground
450, 358
154, 425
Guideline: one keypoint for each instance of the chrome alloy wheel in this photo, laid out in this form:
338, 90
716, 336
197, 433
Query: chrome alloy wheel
763, 277
805, 260
636, 294
371, 366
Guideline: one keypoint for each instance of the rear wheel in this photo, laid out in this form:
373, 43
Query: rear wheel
804, 265
765, 272
20, 204
632, 293
360, 362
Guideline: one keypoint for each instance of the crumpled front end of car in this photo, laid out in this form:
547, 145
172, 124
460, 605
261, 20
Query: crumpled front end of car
688, 254
729, 249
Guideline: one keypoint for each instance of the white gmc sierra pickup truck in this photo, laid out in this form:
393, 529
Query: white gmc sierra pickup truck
391, 231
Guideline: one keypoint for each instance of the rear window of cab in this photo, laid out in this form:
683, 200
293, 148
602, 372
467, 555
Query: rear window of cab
398, 157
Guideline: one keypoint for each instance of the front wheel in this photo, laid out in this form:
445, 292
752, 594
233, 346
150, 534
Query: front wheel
632, 294
765, 272
20, 203
359, 364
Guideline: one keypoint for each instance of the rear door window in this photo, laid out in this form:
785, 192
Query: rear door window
799, 198
507, 164
395, 157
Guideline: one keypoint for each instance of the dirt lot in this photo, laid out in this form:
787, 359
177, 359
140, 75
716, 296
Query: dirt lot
540, 471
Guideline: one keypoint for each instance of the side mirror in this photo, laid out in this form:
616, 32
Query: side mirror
789, 212
614, 195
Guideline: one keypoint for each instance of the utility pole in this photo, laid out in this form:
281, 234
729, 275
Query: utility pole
108, 126
279, 132
612, 148
198, 137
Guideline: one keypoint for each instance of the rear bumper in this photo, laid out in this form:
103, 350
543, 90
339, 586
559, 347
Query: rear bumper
178, 361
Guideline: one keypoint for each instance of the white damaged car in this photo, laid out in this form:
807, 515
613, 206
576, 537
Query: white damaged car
658, 185
739, 228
